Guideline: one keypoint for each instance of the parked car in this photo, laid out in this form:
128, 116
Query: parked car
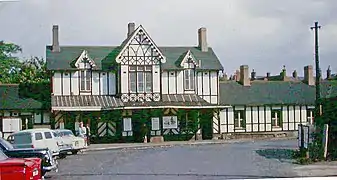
68, 137
64, 146
20, 168
35, 138
48, 162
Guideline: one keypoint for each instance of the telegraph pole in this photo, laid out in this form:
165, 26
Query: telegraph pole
318, 70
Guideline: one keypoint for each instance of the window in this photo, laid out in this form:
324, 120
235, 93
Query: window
310, 116
48, 135
276, 118
140, 79
189, 75
85, 80
38, 136
239, 119
23, 138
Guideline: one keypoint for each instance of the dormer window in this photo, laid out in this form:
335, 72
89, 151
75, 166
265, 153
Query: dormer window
189, 74
85, 80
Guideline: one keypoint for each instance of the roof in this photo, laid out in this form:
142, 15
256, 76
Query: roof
104, 57
33, 130
266, 93
10, 99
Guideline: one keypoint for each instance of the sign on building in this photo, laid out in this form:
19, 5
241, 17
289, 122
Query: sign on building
170, 122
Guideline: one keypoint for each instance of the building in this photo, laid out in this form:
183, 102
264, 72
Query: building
125, 90
270, 103
18, 113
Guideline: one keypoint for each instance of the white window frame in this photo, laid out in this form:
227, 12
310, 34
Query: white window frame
85, 80
277, 118
240, 118
189, 76
310, 118
142, 80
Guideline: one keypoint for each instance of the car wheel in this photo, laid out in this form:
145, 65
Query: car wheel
62, 156
74, 152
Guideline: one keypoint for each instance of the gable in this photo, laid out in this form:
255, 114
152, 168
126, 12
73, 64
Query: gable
186, 57
84, 61
139, 48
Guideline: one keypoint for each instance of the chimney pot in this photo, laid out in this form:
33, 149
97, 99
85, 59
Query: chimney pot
244, 77
131, 28
268, 74
56, 44
202, 39
253, 75
308, 75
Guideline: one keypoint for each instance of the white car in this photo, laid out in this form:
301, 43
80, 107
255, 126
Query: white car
35, 138
68, 137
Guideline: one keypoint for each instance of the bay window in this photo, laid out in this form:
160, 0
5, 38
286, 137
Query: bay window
140, 79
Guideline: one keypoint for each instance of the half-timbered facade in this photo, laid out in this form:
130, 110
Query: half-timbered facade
124, 91
269, 104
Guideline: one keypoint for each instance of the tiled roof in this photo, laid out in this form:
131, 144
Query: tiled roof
10, 100
273, 93
104, 57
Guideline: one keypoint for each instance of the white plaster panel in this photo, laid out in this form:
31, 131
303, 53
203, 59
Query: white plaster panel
75, 83
249, 127
291, 114
303, 114
95, 83
214, 99
285, 126
297, 112
285, 114
214, 83
156, 78
124, 79
57, 83
112, 83
240, 130
268, 127
291, 126
268, 115
255, 115
104, 83
207, 98
172, 82
261, 115
66, 83
230, 128
230, 116
255, 127
223, 117
262, 127
248, 115
199, 83
180, 81
164, 78
206, 88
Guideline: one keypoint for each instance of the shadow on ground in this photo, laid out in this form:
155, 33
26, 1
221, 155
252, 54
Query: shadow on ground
283, 155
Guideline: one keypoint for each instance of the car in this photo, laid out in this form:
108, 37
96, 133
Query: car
63, 145
68, 137
48, 162
20, 168
35, 138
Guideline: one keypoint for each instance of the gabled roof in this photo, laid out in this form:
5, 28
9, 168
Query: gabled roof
182, 59
10, 100
273, 93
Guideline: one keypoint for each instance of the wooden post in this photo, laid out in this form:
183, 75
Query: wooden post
325, 140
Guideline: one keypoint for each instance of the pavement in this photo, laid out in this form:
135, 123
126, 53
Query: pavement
115, 146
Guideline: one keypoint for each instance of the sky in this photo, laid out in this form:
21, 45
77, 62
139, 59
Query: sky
263, 34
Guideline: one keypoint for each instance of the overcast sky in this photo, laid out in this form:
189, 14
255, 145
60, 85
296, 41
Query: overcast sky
264, 34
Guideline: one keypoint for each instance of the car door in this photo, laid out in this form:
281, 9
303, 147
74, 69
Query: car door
39, 140
51, 141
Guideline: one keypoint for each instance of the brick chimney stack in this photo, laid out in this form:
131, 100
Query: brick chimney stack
244, 75
56, 44
253, 75
328, 73
131, 28
202, 40
309, 75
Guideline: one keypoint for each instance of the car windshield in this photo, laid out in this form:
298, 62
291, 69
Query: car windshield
67, 133
6, 144
2, 156
56, 134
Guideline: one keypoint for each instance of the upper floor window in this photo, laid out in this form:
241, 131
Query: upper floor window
85, 80
189, 75
140, 79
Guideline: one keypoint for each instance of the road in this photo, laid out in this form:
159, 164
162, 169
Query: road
259, 159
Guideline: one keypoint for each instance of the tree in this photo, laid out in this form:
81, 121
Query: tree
9, 65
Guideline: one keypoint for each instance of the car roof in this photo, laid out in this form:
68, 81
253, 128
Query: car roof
33, 130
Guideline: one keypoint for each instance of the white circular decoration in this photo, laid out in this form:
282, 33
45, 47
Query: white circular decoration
125, 98
133, 97
148, 97
156, 97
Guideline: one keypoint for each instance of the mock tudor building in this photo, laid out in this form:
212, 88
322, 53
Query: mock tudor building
124, 90
270, 103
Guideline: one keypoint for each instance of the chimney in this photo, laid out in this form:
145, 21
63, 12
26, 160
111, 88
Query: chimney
328, 73
253, 75
308, 75
295, 74
237, 75
202, 39
268, 74
131, 28
244, 77
56, 45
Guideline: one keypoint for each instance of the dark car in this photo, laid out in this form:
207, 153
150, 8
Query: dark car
48, 162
